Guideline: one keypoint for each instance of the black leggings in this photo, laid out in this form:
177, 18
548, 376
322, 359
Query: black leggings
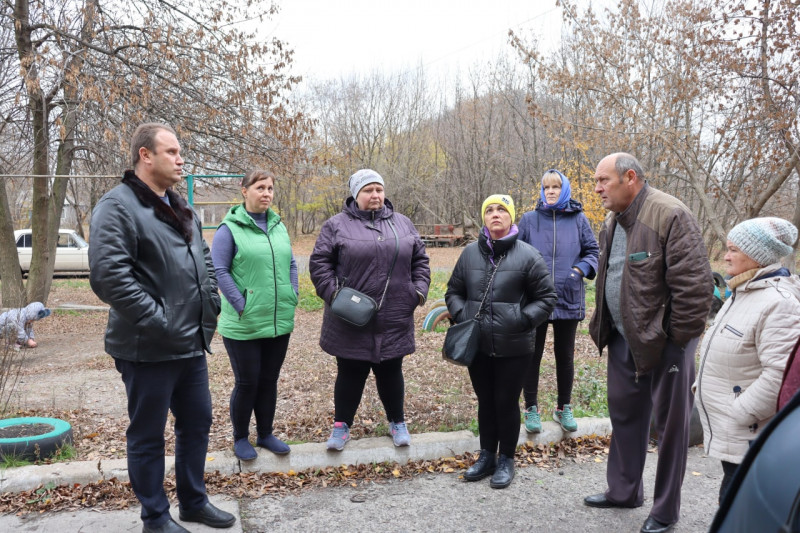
351, 378
728, 470
564, 349
256, 366
497, 382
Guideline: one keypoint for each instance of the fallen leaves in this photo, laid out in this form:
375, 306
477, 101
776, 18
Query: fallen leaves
114, 494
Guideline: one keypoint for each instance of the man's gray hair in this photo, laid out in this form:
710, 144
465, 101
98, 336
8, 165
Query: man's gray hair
626, 162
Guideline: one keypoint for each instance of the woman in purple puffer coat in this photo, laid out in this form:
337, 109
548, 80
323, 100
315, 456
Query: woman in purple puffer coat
562, 234
357, 248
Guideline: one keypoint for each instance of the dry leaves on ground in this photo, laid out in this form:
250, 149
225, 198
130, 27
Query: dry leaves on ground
113, 494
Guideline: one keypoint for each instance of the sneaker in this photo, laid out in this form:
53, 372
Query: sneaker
399, 433
533, 423
565, 418
339, 436
244, 450
273, 444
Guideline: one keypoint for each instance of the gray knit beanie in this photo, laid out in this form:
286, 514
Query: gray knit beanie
764, 240
362, 178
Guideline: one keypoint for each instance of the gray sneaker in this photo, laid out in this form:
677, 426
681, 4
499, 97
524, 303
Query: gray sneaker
400, 434
339, 436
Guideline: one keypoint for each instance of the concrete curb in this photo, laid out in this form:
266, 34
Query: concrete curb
424, 446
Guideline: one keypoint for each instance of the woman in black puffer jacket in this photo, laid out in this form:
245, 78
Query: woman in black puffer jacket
519, 298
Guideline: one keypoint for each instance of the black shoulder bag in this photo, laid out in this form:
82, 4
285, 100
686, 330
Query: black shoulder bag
462, 339
355, 307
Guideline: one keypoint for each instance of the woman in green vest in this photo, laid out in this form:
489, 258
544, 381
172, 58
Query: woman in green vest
257, 275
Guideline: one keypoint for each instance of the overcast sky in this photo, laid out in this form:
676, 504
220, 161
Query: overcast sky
334, 38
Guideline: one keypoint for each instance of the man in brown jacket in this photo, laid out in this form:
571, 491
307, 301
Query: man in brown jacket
653, 294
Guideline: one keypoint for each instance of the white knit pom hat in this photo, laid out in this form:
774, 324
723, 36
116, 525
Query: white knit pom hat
764, 240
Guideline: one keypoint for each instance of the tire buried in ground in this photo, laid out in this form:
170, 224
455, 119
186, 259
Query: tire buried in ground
33, 437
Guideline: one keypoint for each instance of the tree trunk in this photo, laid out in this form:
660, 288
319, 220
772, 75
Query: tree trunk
13, 291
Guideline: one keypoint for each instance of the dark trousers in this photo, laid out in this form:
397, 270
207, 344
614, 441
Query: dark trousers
153, 389
564, 351
497, 382
665, 392
256, 367
351, 378
728, 470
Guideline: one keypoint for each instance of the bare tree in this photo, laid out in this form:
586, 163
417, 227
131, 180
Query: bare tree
704, 92
92, 70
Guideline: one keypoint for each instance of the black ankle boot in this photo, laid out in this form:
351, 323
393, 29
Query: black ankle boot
483, 467
504, 473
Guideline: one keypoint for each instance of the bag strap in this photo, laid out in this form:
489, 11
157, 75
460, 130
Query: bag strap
391, 268
394, 260
488, 287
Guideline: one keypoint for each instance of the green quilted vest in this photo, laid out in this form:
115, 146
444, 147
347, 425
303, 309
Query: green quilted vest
260, 270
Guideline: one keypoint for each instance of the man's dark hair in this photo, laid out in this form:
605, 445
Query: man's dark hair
626, 162
145, 136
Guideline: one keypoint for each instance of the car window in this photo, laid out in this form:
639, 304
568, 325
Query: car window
63, 240
80, 243
24, 241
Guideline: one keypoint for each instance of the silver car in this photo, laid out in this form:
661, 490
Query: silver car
72, 252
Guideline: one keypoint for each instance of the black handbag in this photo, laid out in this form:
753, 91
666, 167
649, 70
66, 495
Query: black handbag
462, 340
355, 307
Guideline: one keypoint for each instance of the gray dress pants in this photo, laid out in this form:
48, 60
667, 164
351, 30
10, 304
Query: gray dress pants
665, 392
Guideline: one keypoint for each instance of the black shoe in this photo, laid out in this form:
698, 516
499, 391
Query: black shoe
504, 473
170, 526
483, 467
600, 501
651, 525
210, 516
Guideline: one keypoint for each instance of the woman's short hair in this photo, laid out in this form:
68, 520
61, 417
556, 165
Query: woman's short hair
255, 175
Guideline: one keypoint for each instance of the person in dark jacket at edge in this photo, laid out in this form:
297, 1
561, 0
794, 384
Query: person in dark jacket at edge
653, 294
518, 300
562, 234
149, 262
357, 248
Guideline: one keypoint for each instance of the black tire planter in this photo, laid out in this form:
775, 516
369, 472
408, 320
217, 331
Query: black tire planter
53, 433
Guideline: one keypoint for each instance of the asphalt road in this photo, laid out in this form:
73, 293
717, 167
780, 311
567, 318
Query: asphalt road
537, 500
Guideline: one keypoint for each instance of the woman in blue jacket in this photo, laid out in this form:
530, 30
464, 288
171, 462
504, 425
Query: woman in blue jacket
562, 234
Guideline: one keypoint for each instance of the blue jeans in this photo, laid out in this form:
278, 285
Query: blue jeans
179, 385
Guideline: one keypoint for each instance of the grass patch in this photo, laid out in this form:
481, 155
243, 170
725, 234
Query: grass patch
72, 283
68, 312
590, 295
67, 452
438, 285
308, 300
12, 461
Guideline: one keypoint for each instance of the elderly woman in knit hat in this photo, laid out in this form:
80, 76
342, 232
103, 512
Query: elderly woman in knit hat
505, 280
372, 249
744, 352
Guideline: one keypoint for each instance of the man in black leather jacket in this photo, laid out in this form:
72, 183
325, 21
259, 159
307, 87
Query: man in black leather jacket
149, 262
